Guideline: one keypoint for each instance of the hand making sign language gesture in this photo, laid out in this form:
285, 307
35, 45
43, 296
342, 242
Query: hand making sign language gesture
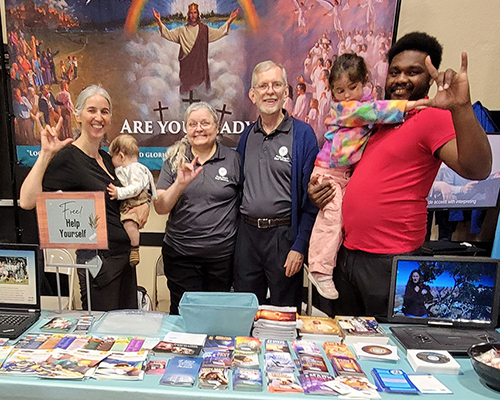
50, 145
452, 87
471, 143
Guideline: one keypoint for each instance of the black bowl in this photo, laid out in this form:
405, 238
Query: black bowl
489, 374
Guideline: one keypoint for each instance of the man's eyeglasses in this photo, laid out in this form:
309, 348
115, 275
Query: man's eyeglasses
276, 86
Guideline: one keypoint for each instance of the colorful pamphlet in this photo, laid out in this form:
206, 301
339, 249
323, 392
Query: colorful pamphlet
59, 325
279, 361
314, 383
323, 329
4, 353
181, 371
354, 387
24, 361
312, 363
65, 342
74, 364
305, 347
337, 350
219, 342
135, 344
361, 329
51, 342
123, 366
120, 344
213, 378
245, 360
31, 342
79, 343
248, 380
156, 367
277, 345
106, 344
282, 382
93, 343
190, 350
247, 344
346, 366
217, 358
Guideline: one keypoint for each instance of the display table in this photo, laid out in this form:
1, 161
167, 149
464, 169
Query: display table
466, 386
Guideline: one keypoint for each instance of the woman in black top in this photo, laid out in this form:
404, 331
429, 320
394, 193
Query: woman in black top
198, 186
416, 295
84, 166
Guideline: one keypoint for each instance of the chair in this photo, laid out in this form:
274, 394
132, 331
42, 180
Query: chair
63, 257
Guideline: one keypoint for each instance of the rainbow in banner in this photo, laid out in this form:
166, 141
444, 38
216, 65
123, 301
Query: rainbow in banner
137, 6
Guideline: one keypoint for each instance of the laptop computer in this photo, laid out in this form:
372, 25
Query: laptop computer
21, 266
452, 302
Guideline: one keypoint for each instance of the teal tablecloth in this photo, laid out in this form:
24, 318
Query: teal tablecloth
465, 386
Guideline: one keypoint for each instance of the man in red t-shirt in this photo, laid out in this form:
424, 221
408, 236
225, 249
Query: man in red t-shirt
384, 207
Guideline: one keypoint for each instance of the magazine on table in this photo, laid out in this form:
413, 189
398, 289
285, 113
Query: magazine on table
123, 366
71, 364
24, 361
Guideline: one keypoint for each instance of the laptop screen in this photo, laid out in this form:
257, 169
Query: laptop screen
20, 268
445, 291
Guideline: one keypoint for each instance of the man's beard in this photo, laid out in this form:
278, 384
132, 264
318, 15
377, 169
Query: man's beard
410, 92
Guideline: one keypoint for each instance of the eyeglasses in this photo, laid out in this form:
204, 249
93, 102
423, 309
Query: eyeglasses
194, 124
276, 86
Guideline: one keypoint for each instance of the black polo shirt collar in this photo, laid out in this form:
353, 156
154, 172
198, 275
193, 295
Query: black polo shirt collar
218, 155
284, 127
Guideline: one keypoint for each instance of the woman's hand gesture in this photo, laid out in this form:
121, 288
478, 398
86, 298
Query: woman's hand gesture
49, 137
187, 172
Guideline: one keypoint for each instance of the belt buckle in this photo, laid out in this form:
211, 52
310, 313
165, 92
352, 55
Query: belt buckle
263, 223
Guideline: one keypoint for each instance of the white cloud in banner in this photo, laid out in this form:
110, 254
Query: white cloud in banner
154, 75
205, 6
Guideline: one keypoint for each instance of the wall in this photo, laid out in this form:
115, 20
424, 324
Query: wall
462, 25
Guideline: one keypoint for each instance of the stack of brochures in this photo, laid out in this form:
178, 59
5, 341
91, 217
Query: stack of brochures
213, 378
276, 323
186, 344
322, 329
247, 379
278, 357
181, 371
361, 329
246, 352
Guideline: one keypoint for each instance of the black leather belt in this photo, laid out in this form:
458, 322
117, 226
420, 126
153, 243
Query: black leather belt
264, 223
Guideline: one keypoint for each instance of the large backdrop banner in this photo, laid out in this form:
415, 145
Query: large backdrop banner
153, 64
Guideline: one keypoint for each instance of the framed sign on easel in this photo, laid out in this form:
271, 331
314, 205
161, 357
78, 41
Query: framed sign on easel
73, 220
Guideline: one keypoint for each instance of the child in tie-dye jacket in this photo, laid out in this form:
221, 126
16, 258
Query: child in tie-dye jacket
349, 126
